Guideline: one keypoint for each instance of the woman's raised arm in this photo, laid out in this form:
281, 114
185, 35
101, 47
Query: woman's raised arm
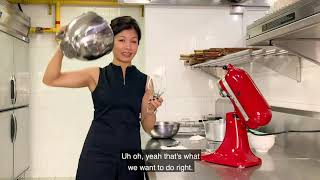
83, 78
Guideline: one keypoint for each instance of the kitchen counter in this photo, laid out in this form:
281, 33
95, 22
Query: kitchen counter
279, 163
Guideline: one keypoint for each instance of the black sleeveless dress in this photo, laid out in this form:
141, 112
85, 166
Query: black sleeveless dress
116, 125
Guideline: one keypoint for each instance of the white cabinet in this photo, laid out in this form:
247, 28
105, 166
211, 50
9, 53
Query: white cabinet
21, 143
21, 71
14, 72
6, 69
6, 146
14, 141
14, 92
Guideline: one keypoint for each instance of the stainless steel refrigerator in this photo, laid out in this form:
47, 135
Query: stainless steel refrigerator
14, 92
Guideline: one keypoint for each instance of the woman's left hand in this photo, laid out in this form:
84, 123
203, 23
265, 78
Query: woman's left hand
148, 110
154, 102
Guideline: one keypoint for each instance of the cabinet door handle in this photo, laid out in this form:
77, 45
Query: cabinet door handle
12, 128
15, 127
13, 89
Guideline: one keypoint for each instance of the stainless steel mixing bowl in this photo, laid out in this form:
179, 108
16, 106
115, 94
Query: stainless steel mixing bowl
164, 129
87, 37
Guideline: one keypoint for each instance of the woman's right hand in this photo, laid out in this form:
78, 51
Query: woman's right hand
62, 29
60, 34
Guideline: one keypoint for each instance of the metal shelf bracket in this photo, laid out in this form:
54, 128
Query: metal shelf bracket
279, 61
301, 47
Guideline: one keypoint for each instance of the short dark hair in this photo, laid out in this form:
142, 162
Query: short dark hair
124, 23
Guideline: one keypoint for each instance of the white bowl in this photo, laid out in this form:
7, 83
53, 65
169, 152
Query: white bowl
261, 144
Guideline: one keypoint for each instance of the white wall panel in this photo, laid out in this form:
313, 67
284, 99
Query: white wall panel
171, 31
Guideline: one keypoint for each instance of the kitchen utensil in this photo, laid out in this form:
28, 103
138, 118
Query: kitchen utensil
251, 110
86, 37
156, 85
164, 129
261, 143
215, 129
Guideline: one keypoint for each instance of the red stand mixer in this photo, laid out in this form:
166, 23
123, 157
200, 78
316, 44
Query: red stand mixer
251, 111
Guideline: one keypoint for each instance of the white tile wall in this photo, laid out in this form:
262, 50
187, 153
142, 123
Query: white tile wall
171, 31
285, 92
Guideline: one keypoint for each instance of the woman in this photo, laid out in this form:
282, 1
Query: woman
119, 95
